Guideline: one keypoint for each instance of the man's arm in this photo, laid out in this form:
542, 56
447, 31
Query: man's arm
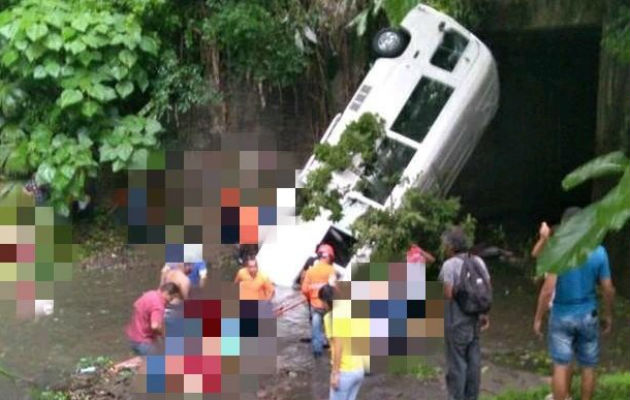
608, 291
448, 291
157, 317
546, 292
306, 282
428, 257
543, 236
163, 274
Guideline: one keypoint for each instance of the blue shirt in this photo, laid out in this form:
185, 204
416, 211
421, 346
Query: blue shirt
195, 273
575, 289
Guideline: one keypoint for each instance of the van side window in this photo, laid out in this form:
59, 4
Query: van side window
381, 177
450, 50
422, 108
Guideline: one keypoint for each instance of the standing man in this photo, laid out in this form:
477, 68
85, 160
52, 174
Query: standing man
320, 274
461, 330
147, 322
574, 322
253, 285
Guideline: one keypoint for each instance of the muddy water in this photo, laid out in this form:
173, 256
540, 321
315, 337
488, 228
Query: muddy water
90, 313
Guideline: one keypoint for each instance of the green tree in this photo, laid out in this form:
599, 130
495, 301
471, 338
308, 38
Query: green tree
74, 78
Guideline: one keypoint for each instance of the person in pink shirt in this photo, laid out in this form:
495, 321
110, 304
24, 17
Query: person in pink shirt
147, 322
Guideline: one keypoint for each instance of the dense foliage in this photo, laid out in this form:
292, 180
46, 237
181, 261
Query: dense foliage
72, 89
575, 239
84, 84
421, 218
616, 37
358, 142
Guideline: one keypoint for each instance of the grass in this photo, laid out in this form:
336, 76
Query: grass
414, 366
609, 387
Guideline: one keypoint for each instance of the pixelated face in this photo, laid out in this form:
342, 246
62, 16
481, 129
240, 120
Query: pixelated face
252, 267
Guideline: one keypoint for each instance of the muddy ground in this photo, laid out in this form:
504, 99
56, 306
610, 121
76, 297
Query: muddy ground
513, 357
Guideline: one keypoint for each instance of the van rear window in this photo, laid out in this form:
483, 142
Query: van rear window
422, 109
381, 177
450, 50
342, 243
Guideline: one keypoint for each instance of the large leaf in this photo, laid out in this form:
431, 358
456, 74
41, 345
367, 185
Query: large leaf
576, 238
36, 31
53, 41
149, 45
101, 92
607, 164
70, 97
52, 68
127, 57
124, 88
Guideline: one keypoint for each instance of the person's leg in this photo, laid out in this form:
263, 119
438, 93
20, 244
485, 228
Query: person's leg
357, 380
456, 367
317, 333
560, 381
561, 338
473, 371
588, 383
142, 348
587, 346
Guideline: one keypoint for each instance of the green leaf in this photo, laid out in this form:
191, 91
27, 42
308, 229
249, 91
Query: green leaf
39, 72
152, 126
36, 32
21, 45
53, 41
70, 97
17, 162
149, 45
45, 173
106, 152
34, 51
101, 92
67, 171
118, 72
9, 57
9, 30
89, 108
52, 68
117, 165
571, 244
607, 164
124, 151
80, 23
127, 57
93, 41
142, 79
133, 123
75, 47
124, 89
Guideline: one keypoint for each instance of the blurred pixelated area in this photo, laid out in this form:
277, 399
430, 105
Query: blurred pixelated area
221, 345
36, 252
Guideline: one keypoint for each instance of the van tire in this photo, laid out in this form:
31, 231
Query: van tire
397, 49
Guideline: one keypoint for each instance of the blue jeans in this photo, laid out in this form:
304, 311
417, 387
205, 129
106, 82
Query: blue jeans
574, 335
317, 332
349, 385
142, 348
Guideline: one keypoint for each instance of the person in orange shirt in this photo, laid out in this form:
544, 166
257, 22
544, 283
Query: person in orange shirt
322, 273
254, 285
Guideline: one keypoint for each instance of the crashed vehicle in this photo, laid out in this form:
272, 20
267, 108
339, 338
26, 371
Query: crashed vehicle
436, 86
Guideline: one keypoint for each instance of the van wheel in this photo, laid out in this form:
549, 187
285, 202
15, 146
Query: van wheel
390, 42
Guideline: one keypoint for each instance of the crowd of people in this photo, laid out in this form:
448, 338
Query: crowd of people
571, 299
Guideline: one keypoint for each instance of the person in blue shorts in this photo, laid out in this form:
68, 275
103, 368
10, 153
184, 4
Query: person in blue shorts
574, 323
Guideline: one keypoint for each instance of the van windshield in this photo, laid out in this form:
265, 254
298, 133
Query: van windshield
422, 109
342, 243
381, 177
450, 50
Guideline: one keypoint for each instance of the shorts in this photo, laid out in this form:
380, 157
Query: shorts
142, 348
574, 335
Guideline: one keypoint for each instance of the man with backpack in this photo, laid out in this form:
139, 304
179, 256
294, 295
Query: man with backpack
468, 295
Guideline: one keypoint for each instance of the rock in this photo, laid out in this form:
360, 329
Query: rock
292, 374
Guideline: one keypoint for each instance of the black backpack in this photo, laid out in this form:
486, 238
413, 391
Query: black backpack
473, 292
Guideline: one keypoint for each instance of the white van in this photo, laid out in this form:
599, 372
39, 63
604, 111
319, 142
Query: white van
436, 86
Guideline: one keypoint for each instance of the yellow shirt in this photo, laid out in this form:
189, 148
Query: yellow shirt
253, 288
341, 327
